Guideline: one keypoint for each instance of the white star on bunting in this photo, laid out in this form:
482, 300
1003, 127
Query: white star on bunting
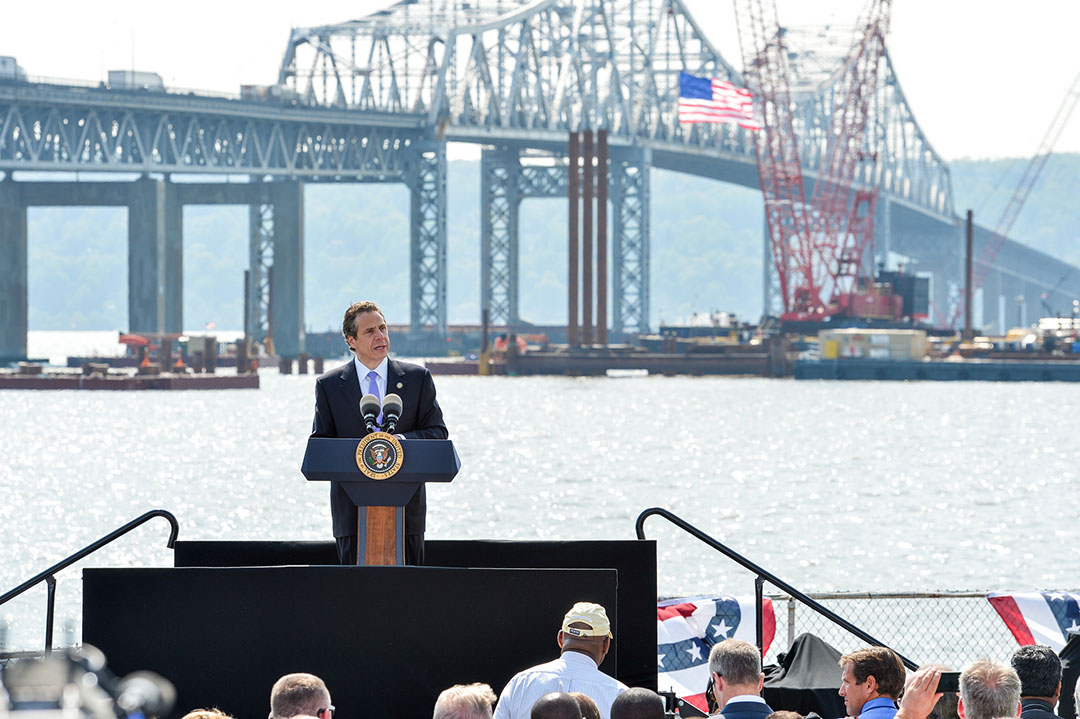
722, 629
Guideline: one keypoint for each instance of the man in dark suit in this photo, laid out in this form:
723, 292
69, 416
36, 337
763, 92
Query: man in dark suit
337, 414
737, 680
1039, 670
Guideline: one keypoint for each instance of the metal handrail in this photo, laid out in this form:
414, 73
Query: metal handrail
761, 576
50, 581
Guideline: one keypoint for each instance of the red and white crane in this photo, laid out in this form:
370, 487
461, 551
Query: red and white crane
818, 247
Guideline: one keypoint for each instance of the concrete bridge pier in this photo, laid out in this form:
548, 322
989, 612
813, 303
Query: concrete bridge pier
991, 304
287, 285
155, 257
13, 272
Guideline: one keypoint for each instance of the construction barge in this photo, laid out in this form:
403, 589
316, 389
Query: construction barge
97, 376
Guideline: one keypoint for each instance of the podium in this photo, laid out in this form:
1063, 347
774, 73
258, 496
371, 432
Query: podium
380, 497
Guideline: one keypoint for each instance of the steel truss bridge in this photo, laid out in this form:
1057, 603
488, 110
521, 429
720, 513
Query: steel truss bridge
378, 99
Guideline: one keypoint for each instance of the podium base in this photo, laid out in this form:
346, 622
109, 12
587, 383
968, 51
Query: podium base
380, 536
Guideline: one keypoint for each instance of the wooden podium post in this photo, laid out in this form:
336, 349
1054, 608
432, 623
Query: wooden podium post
380, 491
376, 535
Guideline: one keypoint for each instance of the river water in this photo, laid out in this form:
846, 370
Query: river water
875, 486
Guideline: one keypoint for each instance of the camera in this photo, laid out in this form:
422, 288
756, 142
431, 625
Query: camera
76, 684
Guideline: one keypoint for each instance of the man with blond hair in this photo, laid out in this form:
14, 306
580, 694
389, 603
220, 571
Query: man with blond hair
737, 680
465, 701
584, 641
989, 690
300, 695
871, 680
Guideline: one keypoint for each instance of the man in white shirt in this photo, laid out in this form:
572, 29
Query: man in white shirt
737, 680
584, 641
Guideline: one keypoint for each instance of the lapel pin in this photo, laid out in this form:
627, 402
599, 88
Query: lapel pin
400, 385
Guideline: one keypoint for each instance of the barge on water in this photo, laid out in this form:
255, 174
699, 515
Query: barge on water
977, 370
98, 376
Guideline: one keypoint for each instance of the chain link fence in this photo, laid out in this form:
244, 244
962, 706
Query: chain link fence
951, 628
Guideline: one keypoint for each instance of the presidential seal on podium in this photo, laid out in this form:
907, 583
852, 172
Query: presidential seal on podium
379, 455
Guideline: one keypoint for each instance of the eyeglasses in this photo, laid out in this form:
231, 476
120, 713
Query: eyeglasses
329, 711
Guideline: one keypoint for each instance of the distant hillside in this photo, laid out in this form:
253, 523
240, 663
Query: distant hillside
1050, 221
706, 248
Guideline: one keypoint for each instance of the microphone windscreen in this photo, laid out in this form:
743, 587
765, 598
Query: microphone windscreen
392, 405
369, 404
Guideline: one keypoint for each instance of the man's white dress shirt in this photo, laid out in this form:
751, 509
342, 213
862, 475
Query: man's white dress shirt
572, 672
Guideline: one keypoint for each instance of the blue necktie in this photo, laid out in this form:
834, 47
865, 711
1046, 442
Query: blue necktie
373, 388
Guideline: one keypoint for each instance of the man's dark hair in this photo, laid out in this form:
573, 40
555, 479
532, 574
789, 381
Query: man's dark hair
588, 707
1039, 670
638, 703
556, 705
880, 662
296, 695
348, 324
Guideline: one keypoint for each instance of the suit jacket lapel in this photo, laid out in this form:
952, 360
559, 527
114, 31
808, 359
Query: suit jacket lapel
395, 379
351, 388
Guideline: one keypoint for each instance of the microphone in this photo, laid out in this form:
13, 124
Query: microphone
391, 408
369, 410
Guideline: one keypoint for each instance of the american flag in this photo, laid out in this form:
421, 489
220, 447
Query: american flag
686, 629
1039, 617
703, 99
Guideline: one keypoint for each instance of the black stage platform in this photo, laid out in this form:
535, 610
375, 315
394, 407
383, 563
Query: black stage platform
232, 617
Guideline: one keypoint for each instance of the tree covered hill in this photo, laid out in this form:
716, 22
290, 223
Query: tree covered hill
706, 248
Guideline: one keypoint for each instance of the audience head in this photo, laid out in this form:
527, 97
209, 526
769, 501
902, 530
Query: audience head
465, 701
1039, 670
300, 695
589, 709
785, 715
736, 669
206, 714
556, 705
989, 690
870, 673
638, 703
586, 629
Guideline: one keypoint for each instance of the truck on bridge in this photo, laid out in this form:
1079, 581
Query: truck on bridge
136, 80
10, 69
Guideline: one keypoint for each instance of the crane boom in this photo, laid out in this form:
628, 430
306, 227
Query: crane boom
1012, 209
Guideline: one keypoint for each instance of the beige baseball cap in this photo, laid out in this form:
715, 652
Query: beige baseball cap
587, 613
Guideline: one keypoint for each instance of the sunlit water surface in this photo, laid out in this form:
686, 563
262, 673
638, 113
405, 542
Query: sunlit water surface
833, 486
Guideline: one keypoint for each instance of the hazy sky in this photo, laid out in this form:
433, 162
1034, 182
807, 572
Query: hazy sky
983, 77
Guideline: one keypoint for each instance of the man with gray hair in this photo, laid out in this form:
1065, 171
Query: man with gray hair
737, 680
465, 701
300, 695
1039, 670
989, 690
